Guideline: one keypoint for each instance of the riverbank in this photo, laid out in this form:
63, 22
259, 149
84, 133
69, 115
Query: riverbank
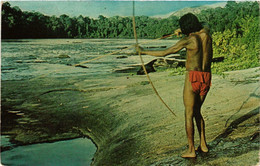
127, 122
148, 134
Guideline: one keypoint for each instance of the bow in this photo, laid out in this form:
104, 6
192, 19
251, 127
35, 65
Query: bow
142, 61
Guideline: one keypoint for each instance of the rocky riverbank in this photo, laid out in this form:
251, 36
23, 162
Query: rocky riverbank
127, 122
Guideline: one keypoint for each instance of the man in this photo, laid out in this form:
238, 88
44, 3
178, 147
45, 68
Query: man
198, 44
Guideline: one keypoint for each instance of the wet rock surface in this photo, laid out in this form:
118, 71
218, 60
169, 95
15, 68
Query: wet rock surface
122, 115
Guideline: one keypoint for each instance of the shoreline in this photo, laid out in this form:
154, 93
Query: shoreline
124, 119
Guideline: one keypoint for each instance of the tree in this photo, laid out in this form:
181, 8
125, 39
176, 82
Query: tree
19, 24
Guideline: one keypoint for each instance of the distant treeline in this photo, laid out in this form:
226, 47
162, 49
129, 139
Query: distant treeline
23, 24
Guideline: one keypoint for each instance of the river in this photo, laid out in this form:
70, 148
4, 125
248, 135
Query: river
70, 152
29, 58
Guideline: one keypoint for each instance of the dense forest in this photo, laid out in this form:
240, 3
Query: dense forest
236, 36
234, 29
23, 24
19, 24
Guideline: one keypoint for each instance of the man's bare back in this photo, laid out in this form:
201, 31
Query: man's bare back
199, 53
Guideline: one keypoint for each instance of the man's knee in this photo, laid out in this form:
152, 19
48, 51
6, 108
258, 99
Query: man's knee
189, 111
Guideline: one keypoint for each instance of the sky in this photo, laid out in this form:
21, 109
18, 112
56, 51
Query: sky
106, 8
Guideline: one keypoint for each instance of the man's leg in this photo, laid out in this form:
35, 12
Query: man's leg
200, 123
189, 101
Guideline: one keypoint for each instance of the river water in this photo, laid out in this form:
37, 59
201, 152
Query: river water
30, 58
26, 59
71, 152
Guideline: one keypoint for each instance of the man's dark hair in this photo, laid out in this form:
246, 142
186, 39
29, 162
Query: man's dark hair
189, 23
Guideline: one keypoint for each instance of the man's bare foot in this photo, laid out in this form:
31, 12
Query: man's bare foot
202, 149
189, 154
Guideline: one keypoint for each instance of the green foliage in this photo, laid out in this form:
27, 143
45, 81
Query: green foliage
18, 24
223, 42
221, 19
177, 71
236, 35
240, 51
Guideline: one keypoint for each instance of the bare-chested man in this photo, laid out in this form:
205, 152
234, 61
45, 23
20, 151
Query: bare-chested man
198, 44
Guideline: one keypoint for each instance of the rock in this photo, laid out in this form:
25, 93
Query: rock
39, 61
169, 63
131, 69
153, 65
218, 59
160, 62
82, 66
19, 61
124, 47
121, 57
151, 47
254, 136
63, 56
8, 67
77, 42
149, 68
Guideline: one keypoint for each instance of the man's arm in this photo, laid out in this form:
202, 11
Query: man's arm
177, 47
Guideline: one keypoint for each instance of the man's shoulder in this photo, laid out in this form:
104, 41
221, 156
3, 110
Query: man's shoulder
193, 37
204, 34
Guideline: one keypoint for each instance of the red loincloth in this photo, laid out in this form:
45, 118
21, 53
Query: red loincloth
200, 82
